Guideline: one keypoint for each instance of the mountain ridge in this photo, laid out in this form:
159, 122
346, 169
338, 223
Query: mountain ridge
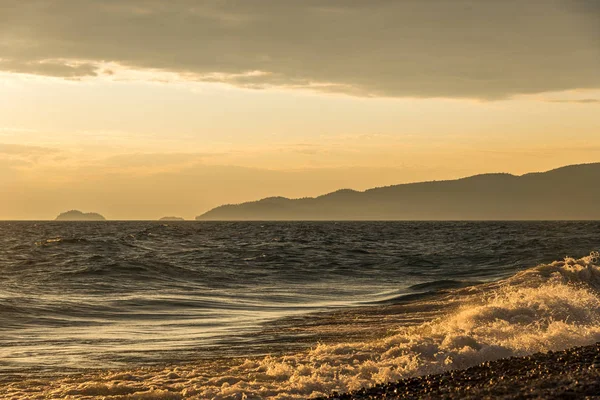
567, 192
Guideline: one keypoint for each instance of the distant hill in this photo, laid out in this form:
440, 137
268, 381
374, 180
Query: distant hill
568, 193
171, 219
76, 215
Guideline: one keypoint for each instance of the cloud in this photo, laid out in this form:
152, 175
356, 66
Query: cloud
415, 48
12, 164
154, 160
15, 159
580, 101
25, 150
142, 164
56, 68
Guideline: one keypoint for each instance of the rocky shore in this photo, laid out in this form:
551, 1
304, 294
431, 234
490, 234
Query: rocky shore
568, 374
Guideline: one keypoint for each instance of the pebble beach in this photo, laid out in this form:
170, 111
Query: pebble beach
568, 374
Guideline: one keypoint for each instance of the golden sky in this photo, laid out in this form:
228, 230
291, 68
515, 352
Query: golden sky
141, 109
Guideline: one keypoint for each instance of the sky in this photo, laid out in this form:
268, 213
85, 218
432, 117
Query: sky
139, 109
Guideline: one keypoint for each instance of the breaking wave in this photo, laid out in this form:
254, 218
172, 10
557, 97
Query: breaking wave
550, 307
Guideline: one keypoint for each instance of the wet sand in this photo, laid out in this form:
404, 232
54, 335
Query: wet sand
568, 374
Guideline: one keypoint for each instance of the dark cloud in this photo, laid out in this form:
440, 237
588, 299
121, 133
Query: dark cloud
48, 68
425, 48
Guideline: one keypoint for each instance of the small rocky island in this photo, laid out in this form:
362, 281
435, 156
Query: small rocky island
171, 219
76, 215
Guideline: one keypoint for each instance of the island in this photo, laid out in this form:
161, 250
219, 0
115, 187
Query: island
567, 193
172, 219
76, 215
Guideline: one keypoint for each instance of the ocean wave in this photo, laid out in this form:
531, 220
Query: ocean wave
443, 284
60, 241
550, 307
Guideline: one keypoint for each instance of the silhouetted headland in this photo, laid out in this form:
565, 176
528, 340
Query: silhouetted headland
567, 193
171, 219
76, 215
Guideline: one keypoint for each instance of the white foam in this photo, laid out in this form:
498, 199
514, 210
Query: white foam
550, 307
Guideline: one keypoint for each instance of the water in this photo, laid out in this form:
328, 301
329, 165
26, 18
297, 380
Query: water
401, 298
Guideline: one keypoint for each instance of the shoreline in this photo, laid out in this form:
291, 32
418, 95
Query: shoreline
570, 373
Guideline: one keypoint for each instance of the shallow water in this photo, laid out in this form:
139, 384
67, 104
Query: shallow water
128, 294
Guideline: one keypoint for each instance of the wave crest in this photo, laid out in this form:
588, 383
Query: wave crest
549, 307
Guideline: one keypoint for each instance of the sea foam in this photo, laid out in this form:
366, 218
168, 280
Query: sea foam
549, 307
